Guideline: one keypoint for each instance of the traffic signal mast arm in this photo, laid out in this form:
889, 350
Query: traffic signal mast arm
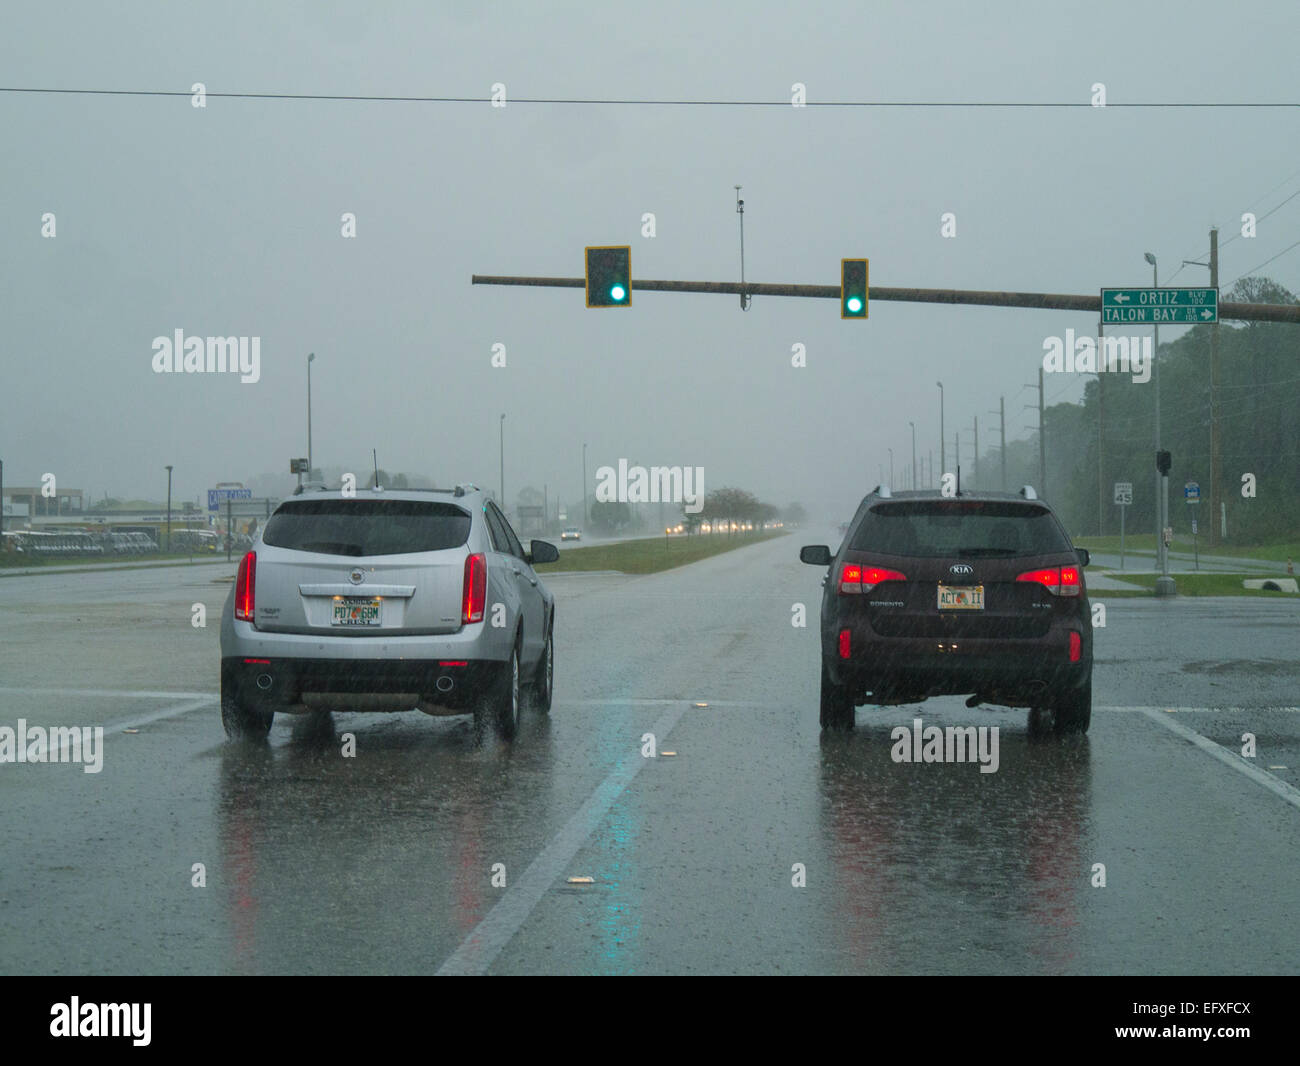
1042, 300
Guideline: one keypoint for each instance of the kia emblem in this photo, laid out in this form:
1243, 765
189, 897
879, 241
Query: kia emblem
963, 569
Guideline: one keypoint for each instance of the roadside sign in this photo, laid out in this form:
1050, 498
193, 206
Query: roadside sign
1137, 307
298, 466
1193, 527
1192, 492
216, 497
1123, 492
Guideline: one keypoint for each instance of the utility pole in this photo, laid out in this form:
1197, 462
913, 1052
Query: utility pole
1101, 420
1042, 441
1002, 429
586, 518
975, 465
956, 450
941, 441
1216, 438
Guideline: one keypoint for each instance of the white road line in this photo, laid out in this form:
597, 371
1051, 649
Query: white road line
507, 916
1260, 777
107, 693
115, 728
1198, 710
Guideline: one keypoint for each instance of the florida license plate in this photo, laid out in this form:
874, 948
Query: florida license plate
356, 611
961, 597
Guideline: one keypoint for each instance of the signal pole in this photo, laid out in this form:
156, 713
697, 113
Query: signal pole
1216, 439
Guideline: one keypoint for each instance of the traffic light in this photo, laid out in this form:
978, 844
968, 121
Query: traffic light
609, 276
1163, 462
853, 288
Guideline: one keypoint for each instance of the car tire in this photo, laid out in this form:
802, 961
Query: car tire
1074, 710
544, 681
241, 721
500, 704
836, 704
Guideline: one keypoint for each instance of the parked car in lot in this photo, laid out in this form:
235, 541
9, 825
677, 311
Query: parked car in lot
387, 600
980, 594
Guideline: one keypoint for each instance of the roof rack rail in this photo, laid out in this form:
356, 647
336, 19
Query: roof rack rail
1027, 491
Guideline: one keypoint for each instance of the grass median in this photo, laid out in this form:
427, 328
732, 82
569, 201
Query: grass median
651, 554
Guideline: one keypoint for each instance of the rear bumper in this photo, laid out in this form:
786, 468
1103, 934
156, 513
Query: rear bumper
1014, 673
280, 683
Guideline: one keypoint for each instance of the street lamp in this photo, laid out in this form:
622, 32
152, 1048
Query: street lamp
586, 519
503, 463
310, 357
941, 440
915, 483
169, 507
891, 466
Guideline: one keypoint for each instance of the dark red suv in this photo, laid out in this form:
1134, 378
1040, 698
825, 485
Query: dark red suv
978, 594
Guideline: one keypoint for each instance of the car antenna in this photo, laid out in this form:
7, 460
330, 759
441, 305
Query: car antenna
959, 479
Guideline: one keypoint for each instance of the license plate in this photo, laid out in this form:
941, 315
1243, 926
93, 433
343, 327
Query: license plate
356, 611
961, 597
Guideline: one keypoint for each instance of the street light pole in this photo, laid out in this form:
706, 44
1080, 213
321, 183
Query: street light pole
941, 440
169, 507
310, 357
503, 463
586, 518
891, 466
915, 483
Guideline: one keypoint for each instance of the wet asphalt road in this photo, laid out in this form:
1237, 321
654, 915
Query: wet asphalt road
383, 863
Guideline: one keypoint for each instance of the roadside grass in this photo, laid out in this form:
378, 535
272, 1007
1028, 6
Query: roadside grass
1145, 543
651, 554
1207, 584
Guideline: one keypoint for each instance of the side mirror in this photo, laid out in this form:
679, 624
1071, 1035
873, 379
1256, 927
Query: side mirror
815, 555
1084, 557
542, 552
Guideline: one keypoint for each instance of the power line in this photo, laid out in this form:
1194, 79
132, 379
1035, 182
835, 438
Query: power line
1265, 263
625, 102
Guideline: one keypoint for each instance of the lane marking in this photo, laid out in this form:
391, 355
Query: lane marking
107, 693
499, 926
116, 728
1260, 777
1199, 710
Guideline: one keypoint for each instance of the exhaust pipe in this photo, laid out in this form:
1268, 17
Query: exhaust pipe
444, 684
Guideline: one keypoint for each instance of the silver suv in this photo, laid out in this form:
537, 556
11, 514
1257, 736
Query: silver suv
387, 600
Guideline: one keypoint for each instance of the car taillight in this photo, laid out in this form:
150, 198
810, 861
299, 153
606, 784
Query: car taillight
855, 579
475, 588
1076, 647
1058, 580
245, 587
846, 643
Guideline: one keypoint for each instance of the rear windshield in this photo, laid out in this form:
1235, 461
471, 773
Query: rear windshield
366, 527
968, 529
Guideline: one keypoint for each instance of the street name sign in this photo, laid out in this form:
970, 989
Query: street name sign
1172, 307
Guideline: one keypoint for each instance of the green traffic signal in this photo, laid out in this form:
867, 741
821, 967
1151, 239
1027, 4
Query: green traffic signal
853, 288
609, 276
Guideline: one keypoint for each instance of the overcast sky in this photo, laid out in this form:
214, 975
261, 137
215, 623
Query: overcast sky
226, 221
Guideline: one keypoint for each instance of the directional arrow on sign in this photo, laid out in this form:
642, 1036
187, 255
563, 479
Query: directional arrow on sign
1121, 299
